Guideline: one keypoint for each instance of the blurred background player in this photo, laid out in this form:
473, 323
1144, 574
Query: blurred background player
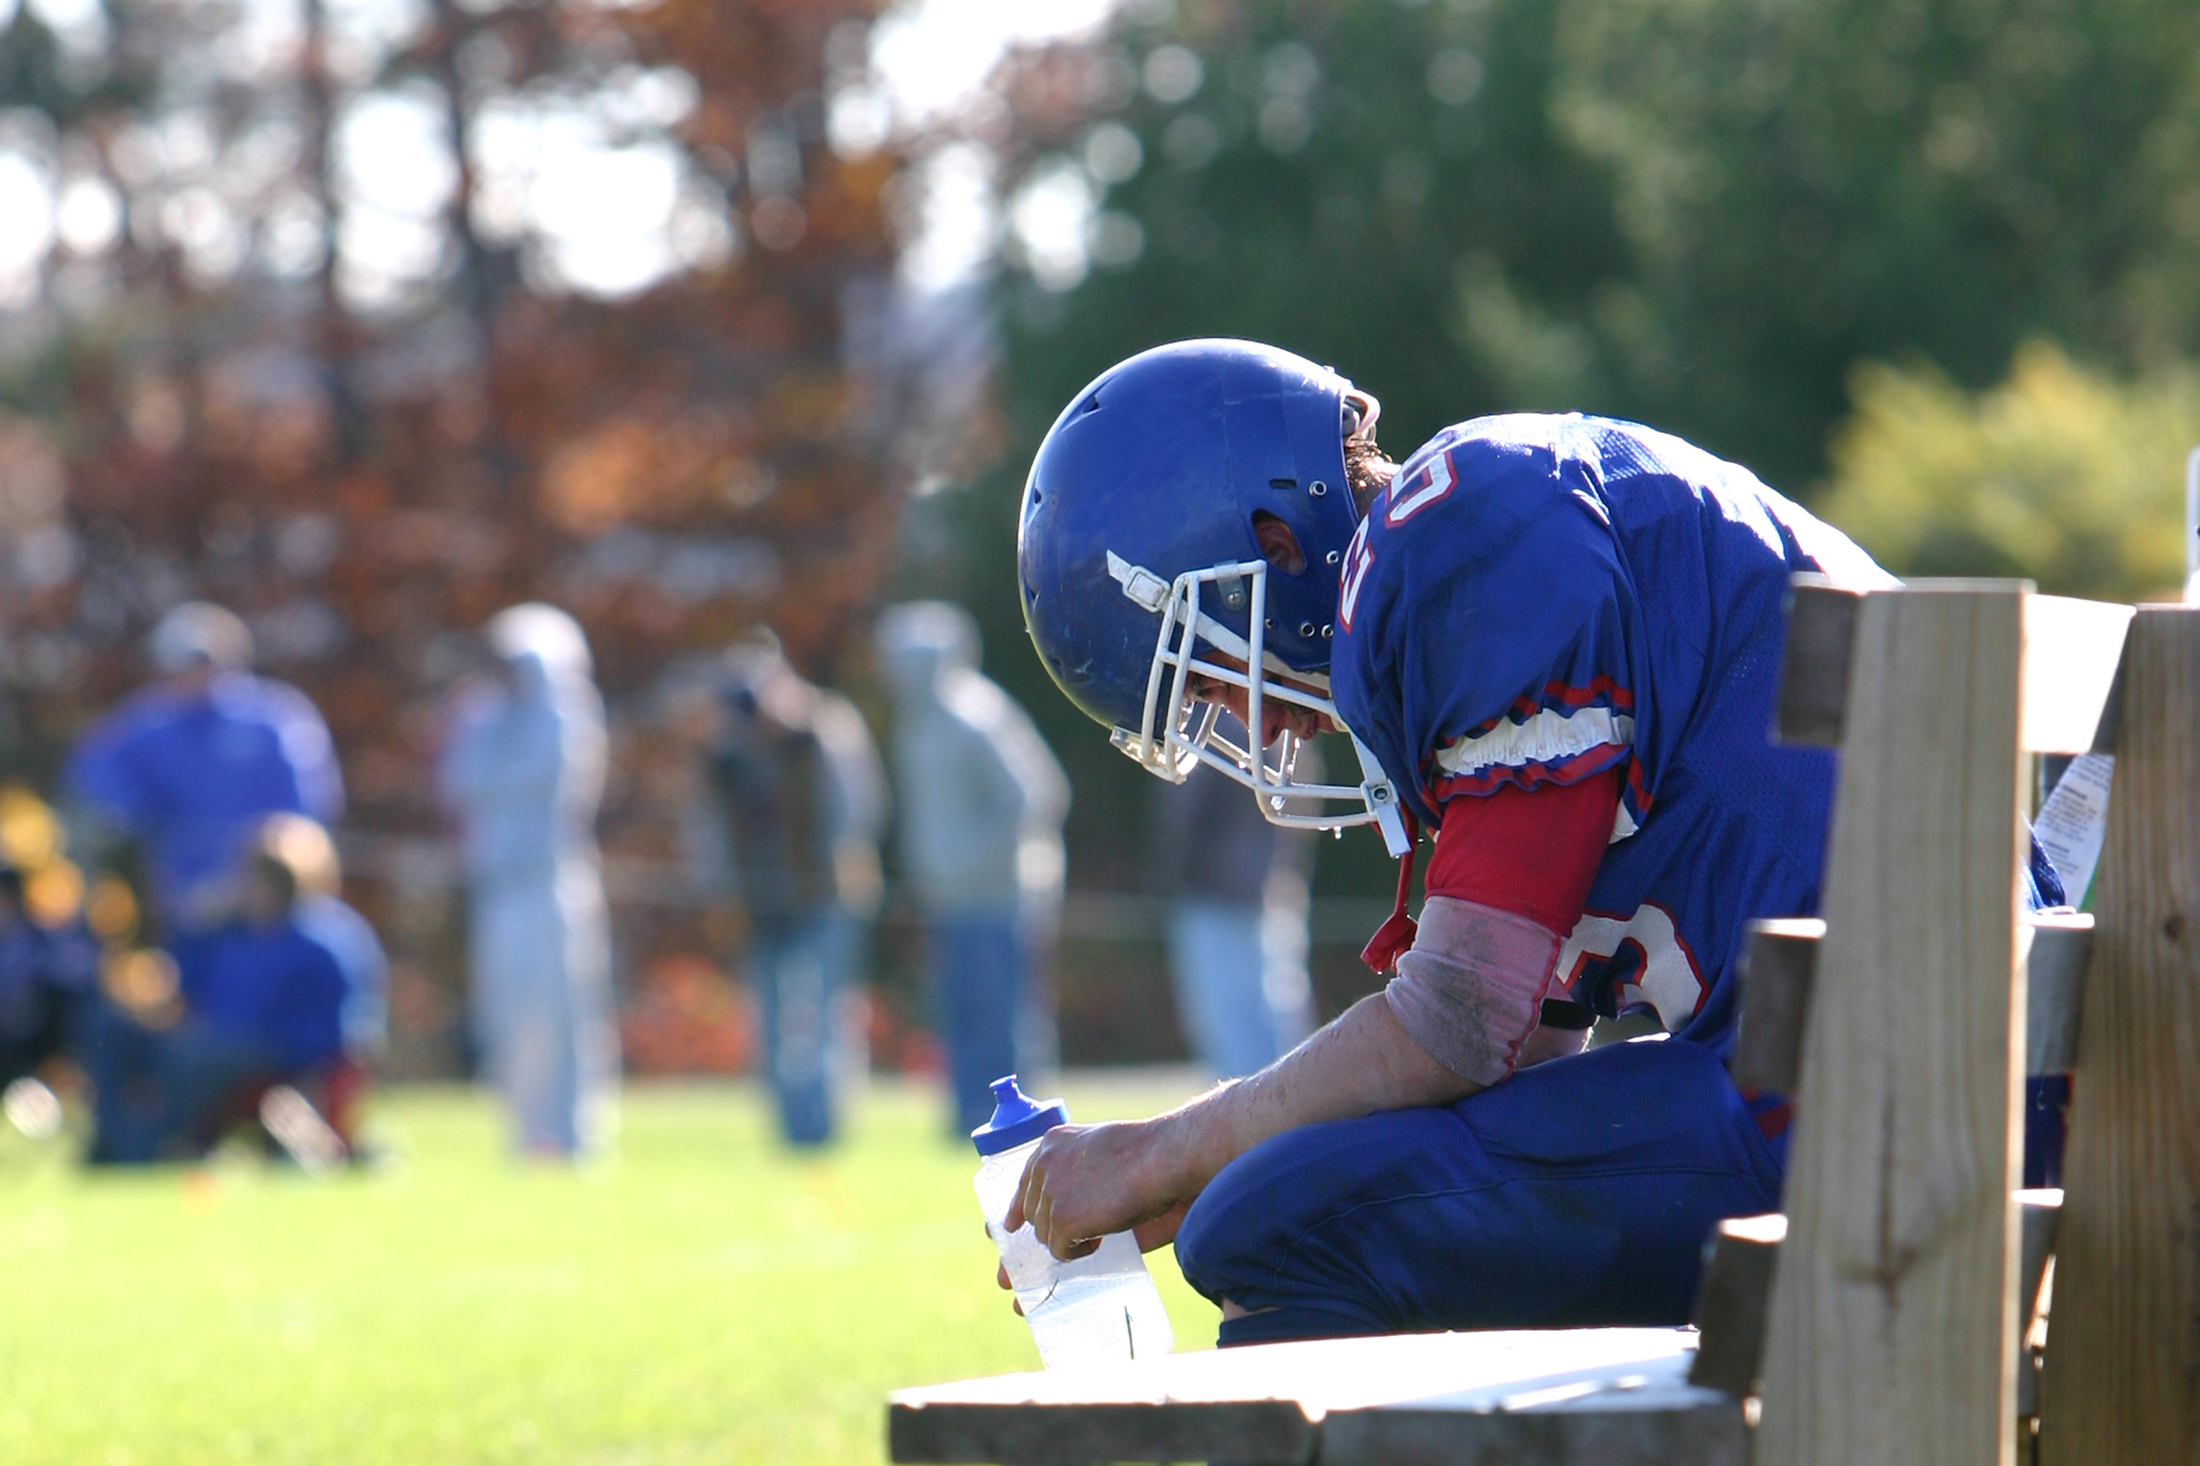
1237, 891
188, 767
797, 799
49, 985
262, 1002
524, 772
323, 915
981, 802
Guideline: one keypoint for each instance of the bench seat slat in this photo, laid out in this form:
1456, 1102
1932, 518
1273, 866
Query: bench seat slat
1398, 1398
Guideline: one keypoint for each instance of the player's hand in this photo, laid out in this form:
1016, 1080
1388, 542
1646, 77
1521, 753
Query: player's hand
1086, 1181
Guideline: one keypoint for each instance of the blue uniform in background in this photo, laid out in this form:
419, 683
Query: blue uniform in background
274, 988
49, 986
350, 939
190, 777
261, 1003
1532, 601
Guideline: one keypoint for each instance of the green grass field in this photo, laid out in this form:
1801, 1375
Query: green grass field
708, 1297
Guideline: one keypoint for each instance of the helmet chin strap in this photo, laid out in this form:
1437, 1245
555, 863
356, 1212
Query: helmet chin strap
1176, 732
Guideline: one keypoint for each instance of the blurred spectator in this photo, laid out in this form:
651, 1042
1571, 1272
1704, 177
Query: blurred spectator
189, 766
49, 985
1236, 887
524, 771
262, 1003
982, 802
798, 799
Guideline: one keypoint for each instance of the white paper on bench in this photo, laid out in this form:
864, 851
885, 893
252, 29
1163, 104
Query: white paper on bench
2071, 651
1475, 1371
1659, 1383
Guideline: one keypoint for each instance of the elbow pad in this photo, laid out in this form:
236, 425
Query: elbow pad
1470, 991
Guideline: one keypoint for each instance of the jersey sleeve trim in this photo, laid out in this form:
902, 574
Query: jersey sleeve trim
1548, 736
1532, 774
1560, 737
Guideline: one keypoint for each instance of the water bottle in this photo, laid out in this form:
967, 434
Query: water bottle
1099, 1309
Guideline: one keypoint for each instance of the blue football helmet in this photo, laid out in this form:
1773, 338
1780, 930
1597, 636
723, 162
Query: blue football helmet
1138, 556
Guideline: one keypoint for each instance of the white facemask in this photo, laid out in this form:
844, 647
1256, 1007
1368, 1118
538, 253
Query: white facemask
1177, 733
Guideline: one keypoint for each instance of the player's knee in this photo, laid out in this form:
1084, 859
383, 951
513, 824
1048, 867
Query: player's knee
1227, 1231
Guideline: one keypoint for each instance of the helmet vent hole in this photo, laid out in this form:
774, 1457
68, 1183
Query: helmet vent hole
1090, 404
1283, 483
1278, 545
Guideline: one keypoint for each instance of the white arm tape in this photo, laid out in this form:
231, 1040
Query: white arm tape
1471, 989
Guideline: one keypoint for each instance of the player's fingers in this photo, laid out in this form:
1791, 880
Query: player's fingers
1085, 1248
1000, 1278
1026, 1205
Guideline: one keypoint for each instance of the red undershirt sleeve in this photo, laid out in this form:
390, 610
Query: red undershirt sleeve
1532, 852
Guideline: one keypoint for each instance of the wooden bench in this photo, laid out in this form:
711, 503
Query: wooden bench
1608, 1396
1884, 1318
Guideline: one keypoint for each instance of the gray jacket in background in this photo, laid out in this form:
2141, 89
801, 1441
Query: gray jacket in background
982, 798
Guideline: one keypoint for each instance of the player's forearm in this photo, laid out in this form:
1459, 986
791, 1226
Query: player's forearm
1362, 1063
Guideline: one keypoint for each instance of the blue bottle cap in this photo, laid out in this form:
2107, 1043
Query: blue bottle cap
1017, 1118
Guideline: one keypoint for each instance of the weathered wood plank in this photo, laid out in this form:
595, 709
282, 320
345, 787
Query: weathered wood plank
1274, 1403
1639, 1413
1778, 963
2122, 1380
1892, 1336
1814, 667
1731, 1304
1263, 1433
2057, 951
2073, 649
2039, 1211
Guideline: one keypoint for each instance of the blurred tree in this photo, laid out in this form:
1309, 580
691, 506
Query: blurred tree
2063, 474
1380, 186
1699, 213
1804, 185
1377, 185
369, 320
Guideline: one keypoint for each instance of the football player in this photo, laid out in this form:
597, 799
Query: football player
1554, 641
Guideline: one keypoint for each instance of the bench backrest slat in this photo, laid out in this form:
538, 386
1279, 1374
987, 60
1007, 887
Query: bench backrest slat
1892, 1333
2121, 1386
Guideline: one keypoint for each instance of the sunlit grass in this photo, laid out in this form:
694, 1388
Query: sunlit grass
707, 1298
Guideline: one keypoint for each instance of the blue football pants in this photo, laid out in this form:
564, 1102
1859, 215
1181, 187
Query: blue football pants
1579, 1192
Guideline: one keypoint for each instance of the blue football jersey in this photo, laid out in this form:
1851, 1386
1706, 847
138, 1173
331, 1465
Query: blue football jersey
1536, 599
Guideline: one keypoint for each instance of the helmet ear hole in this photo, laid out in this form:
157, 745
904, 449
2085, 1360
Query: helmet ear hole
1278, 545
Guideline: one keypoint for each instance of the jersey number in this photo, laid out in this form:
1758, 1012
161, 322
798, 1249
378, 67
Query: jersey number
1408, 497
1429, 483
1357, 558
1668, 979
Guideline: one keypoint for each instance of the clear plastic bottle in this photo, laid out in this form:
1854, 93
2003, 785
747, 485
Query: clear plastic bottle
1100, 1309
